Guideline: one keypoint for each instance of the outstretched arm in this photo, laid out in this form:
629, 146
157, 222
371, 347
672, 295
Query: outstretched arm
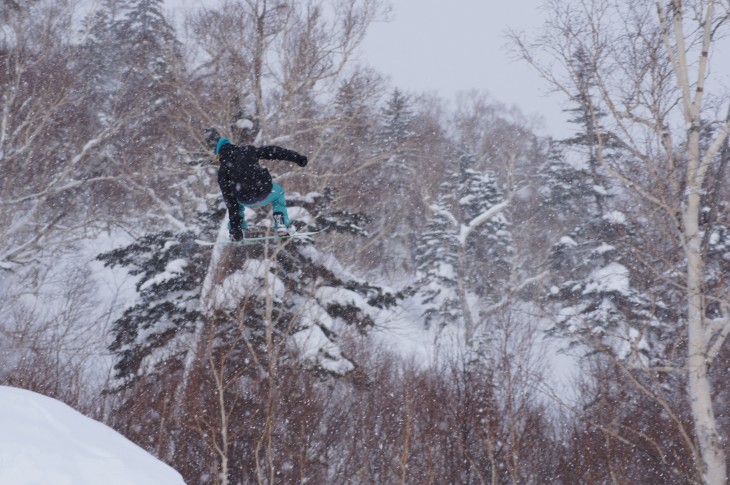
272, 152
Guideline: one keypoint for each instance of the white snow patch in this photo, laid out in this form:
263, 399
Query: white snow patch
328, 295
314, 347
254, 278
599, 190
244, 123
615, 217
300, 214
328, 260
614, 277
568, 241
603, 249
576, 158
46, 442
315, 315
172, 270
170, 244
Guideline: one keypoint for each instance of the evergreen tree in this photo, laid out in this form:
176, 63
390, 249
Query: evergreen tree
572, 189
597, 281
488, 247
349, 144
601, 295
397, 120
437, 260
566, 189
149, 88
172, 269
353, 118
588, 116
465, 253
398, 209
396, 141
101, 58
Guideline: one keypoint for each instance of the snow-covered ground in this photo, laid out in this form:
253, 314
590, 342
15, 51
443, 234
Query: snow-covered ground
45, 442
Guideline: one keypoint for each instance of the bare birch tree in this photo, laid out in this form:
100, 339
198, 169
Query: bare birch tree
650, 64
268, 57
58, 165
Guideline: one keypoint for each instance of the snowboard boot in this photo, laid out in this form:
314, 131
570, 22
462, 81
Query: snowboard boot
280, 228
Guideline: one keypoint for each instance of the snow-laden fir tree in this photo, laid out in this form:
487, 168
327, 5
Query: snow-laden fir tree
437, 260
487, 243
597, 280
397, 216
464, 255
353, 127
601, 296
311, 297
149, 60
100, 59
567, 191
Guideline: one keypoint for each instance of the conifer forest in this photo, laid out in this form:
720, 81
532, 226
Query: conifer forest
485, 306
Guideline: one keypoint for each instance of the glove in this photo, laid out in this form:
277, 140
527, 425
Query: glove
235, 233
302, 161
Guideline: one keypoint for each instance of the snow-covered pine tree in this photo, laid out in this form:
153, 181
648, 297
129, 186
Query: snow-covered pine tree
151, 45
601, 294
150, 53
170, 270
464, 255
97, 58
566, 191
572, 182
397, 119
352, 130
348, 141
437, 260
319, 295
488, 245
597, 281
398, 215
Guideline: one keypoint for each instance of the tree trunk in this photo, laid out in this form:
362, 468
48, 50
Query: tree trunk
713, 466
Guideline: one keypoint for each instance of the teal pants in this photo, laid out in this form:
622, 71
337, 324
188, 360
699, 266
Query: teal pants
277, 199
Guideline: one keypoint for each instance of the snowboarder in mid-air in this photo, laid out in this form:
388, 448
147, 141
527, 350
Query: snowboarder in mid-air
245, 183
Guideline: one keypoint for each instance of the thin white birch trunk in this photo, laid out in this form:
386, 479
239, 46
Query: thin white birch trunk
713, 467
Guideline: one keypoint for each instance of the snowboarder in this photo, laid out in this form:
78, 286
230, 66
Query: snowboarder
245, 183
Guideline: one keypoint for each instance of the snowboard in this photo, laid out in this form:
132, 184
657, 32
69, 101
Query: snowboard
257, 239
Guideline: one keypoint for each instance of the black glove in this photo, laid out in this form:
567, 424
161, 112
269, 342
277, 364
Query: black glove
302, 161
235, 233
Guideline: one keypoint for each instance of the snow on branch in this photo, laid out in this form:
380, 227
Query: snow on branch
481, 219
440, 211
717, 334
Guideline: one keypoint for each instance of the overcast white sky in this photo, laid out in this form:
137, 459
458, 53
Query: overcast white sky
447, 46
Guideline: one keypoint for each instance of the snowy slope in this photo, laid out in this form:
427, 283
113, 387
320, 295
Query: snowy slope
45, 442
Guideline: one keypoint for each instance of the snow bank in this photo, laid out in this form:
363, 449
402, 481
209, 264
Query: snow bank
43, 441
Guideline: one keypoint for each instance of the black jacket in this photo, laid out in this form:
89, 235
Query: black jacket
243, 179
